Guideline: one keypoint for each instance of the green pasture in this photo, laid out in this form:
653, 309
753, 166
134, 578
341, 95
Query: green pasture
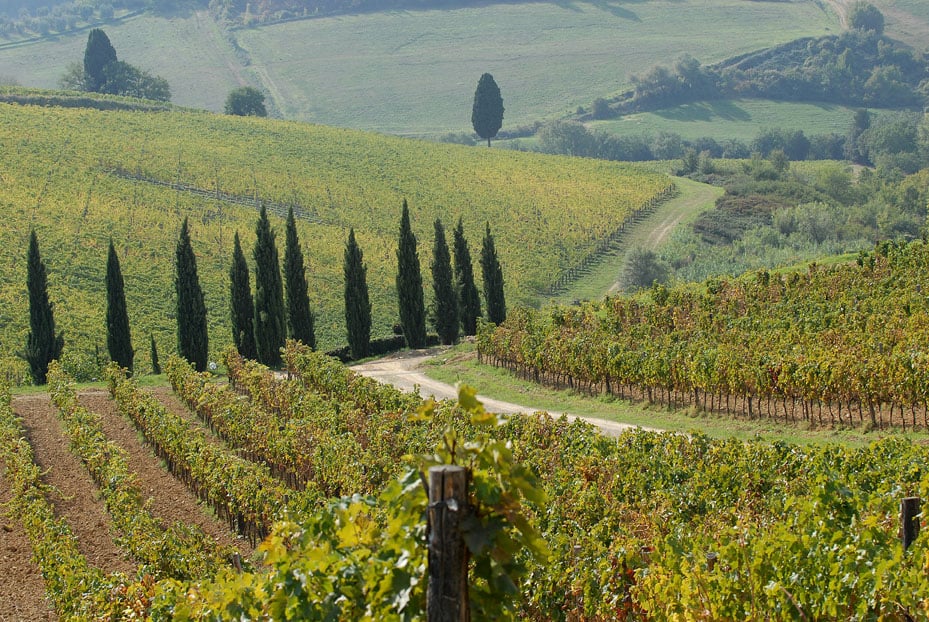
414, 72
740, 119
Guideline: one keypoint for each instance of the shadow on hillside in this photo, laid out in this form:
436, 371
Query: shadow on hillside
724, 110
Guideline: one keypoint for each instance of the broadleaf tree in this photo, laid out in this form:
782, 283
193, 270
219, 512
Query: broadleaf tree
43, 345
118, 336
469, 302
357, 304
299, 316
487, 109
410, 285
493, 280
192, 336
445, 316
270, 326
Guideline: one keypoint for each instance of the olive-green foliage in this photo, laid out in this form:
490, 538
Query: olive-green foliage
246, 101
493, 280
270, 328
299, 316
357, 304
42, 344
469, 301
445, 313
118, 336
487, 109
192, 335
242, 306
410, 285
641, 268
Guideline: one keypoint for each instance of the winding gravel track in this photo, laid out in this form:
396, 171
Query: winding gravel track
402, 370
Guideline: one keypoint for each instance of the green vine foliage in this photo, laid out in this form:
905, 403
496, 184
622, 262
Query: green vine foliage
364, 557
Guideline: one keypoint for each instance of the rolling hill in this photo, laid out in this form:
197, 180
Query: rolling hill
414, 72
81, 177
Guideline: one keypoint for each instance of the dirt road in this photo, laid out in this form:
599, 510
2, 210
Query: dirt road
402, 370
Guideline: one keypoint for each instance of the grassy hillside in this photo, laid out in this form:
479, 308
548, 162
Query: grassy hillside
415, 72
57, 171
739, 119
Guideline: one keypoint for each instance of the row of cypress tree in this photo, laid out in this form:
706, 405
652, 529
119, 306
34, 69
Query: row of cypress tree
260, 325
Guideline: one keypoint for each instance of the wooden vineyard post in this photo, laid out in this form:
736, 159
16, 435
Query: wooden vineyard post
447, 592
909, 520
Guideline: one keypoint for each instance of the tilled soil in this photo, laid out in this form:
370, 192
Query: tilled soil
22, 591
168, 499
74, 495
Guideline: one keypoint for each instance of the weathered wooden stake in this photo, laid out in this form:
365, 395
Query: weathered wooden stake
909, 520
447, 593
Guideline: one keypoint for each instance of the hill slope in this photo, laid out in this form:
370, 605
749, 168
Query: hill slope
415, 72
82, 176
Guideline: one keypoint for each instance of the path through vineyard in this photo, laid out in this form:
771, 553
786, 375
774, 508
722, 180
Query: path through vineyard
652, 231
75, 497
403, 370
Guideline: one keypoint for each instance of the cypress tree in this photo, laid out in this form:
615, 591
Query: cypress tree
42, 344
98, 53
299, 316
445, 303
270, 329
192, 338
118, 338
242, 307
487, 109
493, 280
469, 302
410, 285
357, 305
156, 366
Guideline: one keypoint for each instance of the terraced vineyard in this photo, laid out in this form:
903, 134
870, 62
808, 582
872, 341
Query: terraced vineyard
717, 529
80, 177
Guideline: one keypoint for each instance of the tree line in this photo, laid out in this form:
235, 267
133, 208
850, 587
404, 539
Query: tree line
280, 307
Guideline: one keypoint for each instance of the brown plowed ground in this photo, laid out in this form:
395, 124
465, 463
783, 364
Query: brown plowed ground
75, 495
168, 498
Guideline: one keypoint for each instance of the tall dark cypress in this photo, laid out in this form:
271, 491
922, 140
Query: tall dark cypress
410, 285
445, 302
270, 329
118, 338
357, 305
42, 344
299, 316
192, 339
493, 280
241, 307
469, 302
156, 365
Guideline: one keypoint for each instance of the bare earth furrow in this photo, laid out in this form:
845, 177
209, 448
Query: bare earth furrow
168, 498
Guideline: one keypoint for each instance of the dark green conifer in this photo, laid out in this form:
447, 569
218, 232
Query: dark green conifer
469, 301
270, 327
487, 109
410, 285
493, 280
118, 337
192, 338
357, 305
42, 344
445, 302
98, 54
156, 365
242, 309
299, 316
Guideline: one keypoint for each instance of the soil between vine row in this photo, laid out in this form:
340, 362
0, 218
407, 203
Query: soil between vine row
75, 498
